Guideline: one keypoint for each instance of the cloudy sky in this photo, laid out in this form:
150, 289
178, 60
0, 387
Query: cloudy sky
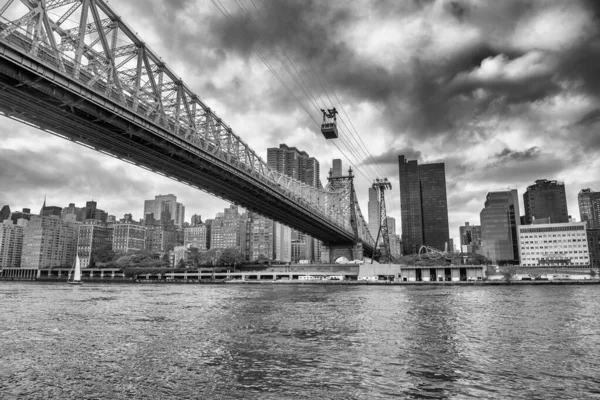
503, 92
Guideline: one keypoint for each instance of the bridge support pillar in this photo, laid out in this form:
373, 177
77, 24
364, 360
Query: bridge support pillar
330, 253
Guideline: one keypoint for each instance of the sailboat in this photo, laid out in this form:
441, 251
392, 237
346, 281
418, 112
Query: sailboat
77, 273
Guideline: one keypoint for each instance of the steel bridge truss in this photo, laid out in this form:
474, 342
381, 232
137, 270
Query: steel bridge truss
87, 43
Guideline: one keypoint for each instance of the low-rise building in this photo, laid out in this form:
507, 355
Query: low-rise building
561, 245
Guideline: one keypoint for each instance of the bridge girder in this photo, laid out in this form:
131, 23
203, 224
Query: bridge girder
126, 102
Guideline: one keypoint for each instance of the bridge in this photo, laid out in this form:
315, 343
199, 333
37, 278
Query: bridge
74, 69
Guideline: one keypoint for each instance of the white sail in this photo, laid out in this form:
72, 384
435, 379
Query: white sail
77, 275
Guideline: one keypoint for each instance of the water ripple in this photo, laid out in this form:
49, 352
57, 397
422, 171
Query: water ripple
298, 342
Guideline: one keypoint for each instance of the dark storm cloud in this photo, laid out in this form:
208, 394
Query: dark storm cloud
508, 155
390, 157
422, 97
514, 168
590, 118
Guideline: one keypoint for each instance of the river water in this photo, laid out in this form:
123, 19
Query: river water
298, 342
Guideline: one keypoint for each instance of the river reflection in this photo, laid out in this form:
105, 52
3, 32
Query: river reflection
298, 341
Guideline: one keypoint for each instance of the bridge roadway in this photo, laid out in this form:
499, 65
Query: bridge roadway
38, 94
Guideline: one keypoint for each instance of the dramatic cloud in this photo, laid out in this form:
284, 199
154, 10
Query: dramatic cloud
503, 92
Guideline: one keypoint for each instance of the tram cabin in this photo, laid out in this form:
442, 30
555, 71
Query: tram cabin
329, 130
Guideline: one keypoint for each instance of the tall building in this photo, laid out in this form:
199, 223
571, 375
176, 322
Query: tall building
300, 166
295, 163
4, 213
93, 237
373, 211
196, 220
160, 239
391, 223
162, 203
589, 207
128, 236
48, 211
593, 237
261, 237
423, 205
395, 245
17, 215
499, 223
92, 211
11, 243
298, 250
336, 169
196, 236
225, 229
49, 242
72, 213
554, 245
470, 237
546, 199
82, 214
283, 242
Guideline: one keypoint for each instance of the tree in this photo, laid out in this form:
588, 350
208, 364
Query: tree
103, 253
261, 259
231, 256
593, 273
195, 257
508, 273
181, 263
209, 257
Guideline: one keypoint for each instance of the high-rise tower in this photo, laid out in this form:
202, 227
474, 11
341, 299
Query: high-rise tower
373, 210
546, 199
423, 205
300, 166
295, 163
165, 204
589, 207
499, 224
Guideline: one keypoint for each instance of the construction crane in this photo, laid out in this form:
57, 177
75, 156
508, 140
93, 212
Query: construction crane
328, 127
381, 185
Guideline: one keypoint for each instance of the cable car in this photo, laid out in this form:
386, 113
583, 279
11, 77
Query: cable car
328, 127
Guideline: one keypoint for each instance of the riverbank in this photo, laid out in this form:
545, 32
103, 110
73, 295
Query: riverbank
314, 282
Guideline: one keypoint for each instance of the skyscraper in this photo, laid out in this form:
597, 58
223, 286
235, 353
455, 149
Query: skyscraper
300, 166
499, 224
391, 223
423, 205
589, 207
11, 243
226, 229
470, 237
4, 213
373, 210
196, 220
162, 203
337, 167
295, 163
546, 199
49, 242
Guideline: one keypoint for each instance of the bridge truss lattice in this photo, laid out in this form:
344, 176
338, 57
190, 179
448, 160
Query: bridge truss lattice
85, 49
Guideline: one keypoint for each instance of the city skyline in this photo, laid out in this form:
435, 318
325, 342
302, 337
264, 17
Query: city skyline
470, 110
